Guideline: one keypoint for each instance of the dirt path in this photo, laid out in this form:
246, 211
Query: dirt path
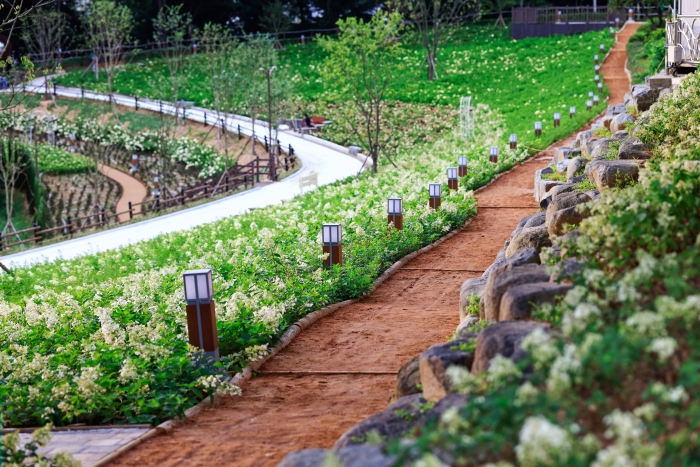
613, 68
133, 190
343, 368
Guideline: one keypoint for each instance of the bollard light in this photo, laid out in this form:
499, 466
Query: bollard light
557, 119
395, 211
194, 48
434, 191
595, 59
513, 141
134, 163
156, 187
572, 112
558, 16
493, 154
630, 14
595, 100
332, 244
452, 181
201, 314
597, 69
602, 48
302, 39
597, 78
590, 94
612, 33
589, 105
538, 128
600, 87
462, 166
617, 22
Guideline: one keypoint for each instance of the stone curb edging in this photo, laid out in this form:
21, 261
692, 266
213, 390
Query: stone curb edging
286, 338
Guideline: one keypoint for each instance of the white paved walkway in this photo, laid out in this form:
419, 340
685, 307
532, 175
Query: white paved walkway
330, 161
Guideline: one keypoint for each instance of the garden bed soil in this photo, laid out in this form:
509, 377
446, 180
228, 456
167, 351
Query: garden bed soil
343, 368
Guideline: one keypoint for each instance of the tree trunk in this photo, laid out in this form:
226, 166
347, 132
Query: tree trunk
432, 72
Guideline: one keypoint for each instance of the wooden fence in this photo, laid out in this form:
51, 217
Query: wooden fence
242, 176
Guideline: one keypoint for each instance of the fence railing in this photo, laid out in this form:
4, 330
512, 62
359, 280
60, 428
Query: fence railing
241, 177
582, 14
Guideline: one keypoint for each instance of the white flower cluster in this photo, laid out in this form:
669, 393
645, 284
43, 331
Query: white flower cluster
542, 443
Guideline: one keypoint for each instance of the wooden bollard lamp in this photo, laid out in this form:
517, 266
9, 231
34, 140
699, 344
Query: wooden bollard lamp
452, 181
332, 244
597, 69
462, 168
557, 119
513, 141
595, 58
201, 314
612, 33
538, 129
602, 48
589, 105
597, 78
493, 154
572, 112
434, 191
395, 211
617, 23
600, 87
595, 100
630, 14
134, 162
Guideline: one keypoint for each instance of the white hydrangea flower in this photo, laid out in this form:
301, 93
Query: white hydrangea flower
561, 371
542, 443
500, 370
664, 347
541, 346
576, 321
526, 393
647, 324
461, 379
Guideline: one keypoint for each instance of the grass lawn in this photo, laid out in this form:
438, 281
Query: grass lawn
645, 52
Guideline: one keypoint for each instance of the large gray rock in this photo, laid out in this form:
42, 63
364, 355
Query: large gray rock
620, 135
408, 380
565, 270
600, 149
609, 174
617, 109
571, 216
358, 455
518, 302
606, 121
621, 122
536, 220
455, 400
588, 147
563, 153
575, 166
435, 361
633, 148
659, 81
467, 324
535, 237
643, 97
628, 100
554, 193
582, 138
470, 287
525, 256
502, 338
501, 281
564, 201
391, 423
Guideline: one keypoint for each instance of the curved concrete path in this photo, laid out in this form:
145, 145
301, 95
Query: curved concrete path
133, 190
330, 161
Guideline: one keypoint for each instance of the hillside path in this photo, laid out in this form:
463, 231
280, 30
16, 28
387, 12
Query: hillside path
343, 368
133, 190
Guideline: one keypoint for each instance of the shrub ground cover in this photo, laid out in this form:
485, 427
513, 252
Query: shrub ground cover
645, 52
615, 383
101, 339
55, 160
526, 80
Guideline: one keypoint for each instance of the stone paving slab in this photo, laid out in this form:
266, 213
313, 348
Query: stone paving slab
87, 446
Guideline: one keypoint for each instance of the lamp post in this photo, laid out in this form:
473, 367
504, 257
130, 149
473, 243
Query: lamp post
617, 22
395, 212
596, 68
630, 14
557, 119
268, 74
332, 244
612, 33
493, 154
462, 166
513, 141
572, 111
602, 48
600, 87
134, 163
589, 105
595, 100
538, 129
597, 78
201, 315
434, 191
452, 181
595, 58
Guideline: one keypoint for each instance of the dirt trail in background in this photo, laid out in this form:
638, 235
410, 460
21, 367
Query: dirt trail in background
613, 68
133, 190
343, 368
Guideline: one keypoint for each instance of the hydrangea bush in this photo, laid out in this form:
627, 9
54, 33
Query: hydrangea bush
614, 385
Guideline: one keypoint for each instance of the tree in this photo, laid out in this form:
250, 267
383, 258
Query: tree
108, 25
171, 28
658, 6
433, 19
499, 6
364, 62
42, 34
12, 166
275, 20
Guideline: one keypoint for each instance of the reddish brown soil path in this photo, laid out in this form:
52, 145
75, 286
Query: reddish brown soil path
343, 368
133, 190
613, 68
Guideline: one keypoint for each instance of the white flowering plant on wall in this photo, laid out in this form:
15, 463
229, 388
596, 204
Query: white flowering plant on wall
613, 383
